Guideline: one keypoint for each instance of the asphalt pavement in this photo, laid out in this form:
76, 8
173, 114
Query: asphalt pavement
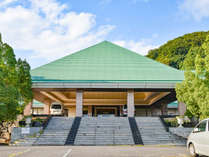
94, 151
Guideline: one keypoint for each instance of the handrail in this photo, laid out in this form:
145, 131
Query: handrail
73, 131
135, 131
164, 123
47, 121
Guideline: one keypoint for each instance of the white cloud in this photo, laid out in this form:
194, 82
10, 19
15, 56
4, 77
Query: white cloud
197, 9
48, 29
6, 2
140, 47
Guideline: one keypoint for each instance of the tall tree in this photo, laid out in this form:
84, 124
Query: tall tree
15, 86
194, 90
24, 83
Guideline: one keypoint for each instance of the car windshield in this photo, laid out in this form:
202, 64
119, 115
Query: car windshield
57, 106
201, 127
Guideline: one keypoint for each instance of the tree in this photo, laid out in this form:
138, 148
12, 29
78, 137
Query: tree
24, 83
15, 86
174, 52
194, 90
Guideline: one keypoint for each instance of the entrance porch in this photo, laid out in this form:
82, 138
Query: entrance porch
106, 102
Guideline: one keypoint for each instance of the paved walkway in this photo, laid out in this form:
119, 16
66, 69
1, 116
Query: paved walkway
94, 151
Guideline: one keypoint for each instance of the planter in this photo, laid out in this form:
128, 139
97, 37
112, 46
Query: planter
180, 121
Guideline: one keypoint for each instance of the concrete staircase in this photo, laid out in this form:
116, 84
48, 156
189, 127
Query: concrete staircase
56, 132
104, 131
153, 132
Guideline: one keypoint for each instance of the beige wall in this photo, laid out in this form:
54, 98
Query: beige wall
71, 111
47, 108
28, 109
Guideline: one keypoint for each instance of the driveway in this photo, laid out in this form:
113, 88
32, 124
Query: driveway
94, 151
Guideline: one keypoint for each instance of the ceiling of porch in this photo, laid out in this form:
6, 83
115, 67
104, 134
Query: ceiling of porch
97, 98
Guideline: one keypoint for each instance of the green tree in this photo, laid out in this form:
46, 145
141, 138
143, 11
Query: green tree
194, 90
15, 85
174, 52
24, 83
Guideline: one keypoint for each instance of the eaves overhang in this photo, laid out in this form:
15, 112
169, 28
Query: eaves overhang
107, 84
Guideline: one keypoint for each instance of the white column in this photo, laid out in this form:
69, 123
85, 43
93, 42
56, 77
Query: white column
130, 103
47, 107
181, 108
28, 109
79, 103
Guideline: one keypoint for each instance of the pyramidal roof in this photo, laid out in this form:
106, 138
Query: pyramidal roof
105, 62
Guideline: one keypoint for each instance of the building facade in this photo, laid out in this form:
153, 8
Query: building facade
106, 79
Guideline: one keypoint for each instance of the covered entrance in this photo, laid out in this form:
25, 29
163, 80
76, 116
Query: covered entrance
106, 111
106, 103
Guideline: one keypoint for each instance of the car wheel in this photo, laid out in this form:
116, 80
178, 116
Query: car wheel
192, 150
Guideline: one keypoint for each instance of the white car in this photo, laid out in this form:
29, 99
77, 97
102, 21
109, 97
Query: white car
198, 140
56, 109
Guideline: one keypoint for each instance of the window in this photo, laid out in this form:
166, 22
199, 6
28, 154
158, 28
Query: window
57, 106
201, 127
37, 111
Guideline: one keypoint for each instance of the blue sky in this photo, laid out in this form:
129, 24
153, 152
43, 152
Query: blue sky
138, 19
44, 30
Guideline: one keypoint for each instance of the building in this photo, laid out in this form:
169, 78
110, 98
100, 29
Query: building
106, 79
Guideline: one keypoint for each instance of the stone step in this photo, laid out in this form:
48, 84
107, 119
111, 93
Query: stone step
153, 131
104, 131
56, 132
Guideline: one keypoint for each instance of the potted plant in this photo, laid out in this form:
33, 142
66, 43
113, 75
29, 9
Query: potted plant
180, 120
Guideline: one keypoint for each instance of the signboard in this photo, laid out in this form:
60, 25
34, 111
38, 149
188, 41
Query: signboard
25, 130
28, 120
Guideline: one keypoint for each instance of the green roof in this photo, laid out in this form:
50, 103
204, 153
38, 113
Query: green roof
105, 62
37, 104
173, 105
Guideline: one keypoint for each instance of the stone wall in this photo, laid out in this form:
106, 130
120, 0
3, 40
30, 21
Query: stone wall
181, 131
21, 133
